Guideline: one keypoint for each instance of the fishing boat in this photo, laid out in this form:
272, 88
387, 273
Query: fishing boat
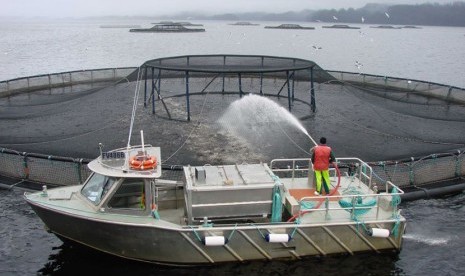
222, 213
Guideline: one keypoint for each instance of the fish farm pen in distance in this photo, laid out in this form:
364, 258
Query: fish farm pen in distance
411, 131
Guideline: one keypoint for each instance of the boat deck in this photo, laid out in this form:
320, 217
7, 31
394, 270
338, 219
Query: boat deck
353, 200
327, 209
356, 198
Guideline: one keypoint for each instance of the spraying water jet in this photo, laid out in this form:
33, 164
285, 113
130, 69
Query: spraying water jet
257, 118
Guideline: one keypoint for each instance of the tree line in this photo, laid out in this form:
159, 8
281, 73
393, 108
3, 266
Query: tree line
452, 14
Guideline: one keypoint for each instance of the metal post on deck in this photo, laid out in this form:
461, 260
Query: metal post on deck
187, 96
153, 90
79, 169
312, 91
240, 85
145, 88
288, 91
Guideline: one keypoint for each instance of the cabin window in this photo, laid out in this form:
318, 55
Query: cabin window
130, 195
97, 187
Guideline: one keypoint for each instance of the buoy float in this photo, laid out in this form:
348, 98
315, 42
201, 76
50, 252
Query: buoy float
277, 238
379, 232
214, 241
143, 162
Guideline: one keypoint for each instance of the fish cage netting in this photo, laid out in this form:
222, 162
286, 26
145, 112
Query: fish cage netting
42, 169
430, 169
232, 64
414, 103
66, 81
183, 108
54, 170
402, 88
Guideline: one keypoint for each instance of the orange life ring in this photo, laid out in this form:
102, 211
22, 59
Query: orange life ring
143, 162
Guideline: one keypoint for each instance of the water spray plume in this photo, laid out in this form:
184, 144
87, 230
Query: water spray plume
255, 110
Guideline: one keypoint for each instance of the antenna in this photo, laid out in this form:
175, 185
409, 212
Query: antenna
134, 105
142, 140
100, 146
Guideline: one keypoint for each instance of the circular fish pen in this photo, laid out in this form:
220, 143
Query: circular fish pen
226, 109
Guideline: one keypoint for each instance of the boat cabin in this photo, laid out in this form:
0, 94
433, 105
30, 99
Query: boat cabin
122, 180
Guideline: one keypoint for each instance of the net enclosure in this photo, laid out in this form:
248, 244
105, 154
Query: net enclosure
226, 109
221, 69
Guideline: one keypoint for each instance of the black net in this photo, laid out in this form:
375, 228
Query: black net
185, 107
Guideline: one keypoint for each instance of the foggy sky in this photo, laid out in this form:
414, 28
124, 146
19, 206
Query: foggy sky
83, 8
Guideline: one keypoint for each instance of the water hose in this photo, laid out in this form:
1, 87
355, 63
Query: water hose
320, 201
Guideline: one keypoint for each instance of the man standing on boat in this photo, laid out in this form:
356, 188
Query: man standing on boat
322, 156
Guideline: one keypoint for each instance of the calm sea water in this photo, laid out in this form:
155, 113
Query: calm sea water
37, 47
434, 240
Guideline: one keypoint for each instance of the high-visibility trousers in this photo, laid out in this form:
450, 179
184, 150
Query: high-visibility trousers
322, 176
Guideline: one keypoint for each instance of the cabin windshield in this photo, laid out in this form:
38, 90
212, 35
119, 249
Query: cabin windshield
97, 187
130, 195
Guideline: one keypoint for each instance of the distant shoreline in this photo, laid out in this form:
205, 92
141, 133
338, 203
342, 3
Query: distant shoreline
448, 15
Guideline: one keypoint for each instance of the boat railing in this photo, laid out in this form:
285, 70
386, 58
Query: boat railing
356, 204
358, 168
300, 167
140, 159
291, 167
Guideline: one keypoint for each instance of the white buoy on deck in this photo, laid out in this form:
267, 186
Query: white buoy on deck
379, 233
215, 241
277, 238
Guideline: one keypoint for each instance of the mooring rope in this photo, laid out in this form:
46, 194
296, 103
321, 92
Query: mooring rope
195, 233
